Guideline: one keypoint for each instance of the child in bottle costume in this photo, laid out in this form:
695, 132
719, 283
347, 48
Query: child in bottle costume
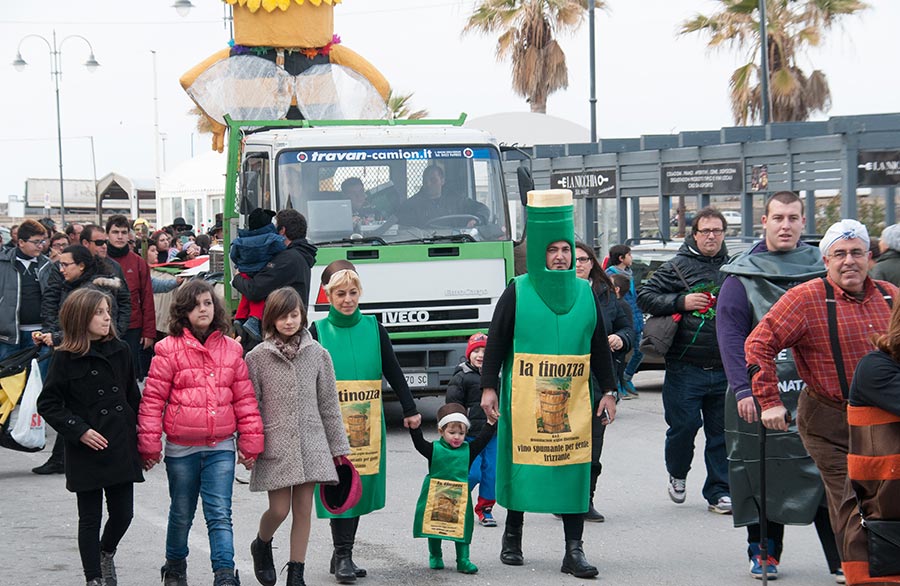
444, 510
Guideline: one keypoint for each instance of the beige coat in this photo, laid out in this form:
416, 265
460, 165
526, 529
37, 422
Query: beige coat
301, 416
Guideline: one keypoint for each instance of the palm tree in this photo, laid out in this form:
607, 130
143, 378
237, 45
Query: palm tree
793, 26
527, 29
399, 107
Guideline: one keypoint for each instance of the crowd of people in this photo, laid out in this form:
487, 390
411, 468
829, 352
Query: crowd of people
757, 356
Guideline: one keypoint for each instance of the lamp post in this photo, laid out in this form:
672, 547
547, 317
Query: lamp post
184, 7
56, 72
764, 61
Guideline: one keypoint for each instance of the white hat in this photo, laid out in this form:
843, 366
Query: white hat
844, 230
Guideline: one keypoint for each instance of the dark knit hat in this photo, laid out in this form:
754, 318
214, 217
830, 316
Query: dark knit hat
259, 218
478, 340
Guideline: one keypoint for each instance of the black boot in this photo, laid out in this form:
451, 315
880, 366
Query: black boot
226, 577
174, 573
342, 535
592, 514
56, 463
575, 563
295, 574
511, 546
263, 563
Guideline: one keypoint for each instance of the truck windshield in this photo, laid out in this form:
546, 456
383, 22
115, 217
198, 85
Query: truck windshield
401, 194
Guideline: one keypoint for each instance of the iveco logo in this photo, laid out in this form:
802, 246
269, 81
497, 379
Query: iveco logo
405, 317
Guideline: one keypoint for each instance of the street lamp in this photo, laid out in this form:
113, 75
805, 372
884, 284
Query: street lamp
56, 72
183, 7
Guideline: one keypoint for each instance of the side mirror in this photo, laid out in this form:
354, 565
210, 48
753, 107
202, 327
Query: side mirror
249, 191
526, 183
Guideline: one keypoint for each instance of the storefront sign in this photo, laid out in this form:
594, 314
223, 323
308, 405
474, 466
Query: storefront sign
879, 168
587, 183
710, 178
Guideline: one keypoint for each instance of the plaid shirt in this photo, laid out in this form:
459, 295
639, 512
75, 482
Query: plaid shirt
799, 320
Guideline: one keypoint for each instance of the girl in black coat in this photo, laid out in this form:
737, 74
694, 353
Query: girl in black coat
618, 322
91, 398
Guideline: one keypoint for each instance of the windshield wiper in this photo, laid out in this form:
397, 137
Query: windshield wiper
439, 237
360, 240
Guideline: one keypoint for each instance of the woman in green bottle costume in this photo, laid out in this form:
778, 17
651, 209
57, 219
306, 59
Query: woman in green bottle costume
362, 354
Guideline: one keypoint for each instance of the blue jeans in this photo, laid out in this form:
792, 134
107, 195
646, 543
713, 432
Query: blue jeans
211, 476
636, 357
25, 341
483, 471
694, 397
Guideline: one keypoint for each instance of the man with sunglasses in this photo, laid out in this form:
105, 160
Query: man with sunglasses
806, 320
686, 288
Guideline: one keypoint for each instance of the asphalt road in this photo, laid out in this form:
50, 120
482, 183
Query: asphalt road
646, 538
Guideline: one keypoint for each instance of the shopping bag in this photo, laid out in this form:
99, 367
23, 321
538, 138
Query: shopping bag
29, 429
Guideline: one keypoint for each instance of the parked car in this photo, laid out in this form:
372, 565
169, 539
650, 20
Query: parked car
733, 218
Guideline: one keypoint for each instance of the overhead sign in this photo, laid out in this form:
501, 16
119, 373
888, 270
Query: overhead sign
878, 168
708, 178
587, 183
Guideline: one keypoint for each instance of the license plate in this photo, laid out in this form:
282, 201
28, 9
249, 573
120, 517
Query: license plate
416, 379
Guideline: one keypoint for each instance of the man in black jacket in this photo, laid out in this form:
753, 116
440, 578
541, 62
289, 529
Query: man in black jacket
695, 383
290, 267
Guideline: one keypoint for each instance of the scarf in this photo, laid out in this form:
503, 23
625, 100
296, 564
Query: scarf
115, 251
290, 347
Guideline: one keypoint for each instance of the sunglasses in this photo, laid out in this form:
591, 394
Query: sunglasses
100, 242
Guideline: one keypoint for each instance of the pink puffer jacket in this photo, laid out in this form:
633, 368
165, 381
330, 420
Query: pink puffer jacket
199, 394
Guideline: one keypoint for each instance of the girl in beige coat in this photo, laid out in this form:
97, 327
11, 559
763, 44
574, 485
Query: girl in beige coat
304, 432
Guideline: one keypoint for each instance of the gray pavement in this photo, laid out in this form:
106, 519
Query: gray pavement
646, 538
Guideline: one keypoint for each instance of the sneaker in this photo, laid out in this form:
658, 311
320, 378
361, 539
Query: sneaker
721, 506
839, 577
771, 568
676, 489
487, 519
623, 395
629, 389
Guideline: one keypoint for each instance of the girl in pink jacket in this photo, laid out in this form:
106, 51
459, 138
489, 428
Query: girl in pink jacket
199, 393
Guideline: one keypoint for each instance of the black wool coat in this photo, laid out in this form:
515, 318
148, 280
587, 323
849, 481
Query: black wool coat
96, 391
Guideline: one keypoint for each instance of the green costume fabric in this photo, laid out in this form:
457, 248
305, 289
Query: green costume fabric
794, 489
355, 348
557, 289
447, 483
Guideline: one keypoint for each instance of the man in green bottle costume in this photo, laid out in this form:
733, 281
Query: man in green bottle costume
544, 343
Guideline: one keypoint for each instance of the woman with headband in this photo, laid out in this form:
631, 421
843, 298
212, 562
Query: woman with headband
362, 354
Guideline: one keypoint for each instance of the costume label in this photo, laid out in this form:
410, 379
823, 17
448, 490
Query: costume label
551, 409
361, 410
445, 508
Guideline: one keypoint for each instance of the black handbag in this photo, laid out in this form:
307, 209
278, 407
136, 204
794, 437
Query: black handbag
884, 547
659, 330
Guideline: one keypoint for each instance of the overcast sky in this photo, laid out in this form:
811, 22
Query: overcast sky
649, 80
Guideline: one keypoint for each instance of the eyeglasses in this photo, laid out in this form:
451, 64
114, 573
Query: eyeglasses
65, 265
100, 242
582, 259
713, 231
59, 245
37, 242
842, 254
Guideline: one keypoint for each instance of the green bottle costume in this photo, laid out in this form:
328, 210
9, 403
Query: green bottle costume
544, 430
354, 344
794, 489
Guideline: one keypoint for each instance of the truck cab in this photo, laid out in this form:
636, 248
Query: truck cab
420, 209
